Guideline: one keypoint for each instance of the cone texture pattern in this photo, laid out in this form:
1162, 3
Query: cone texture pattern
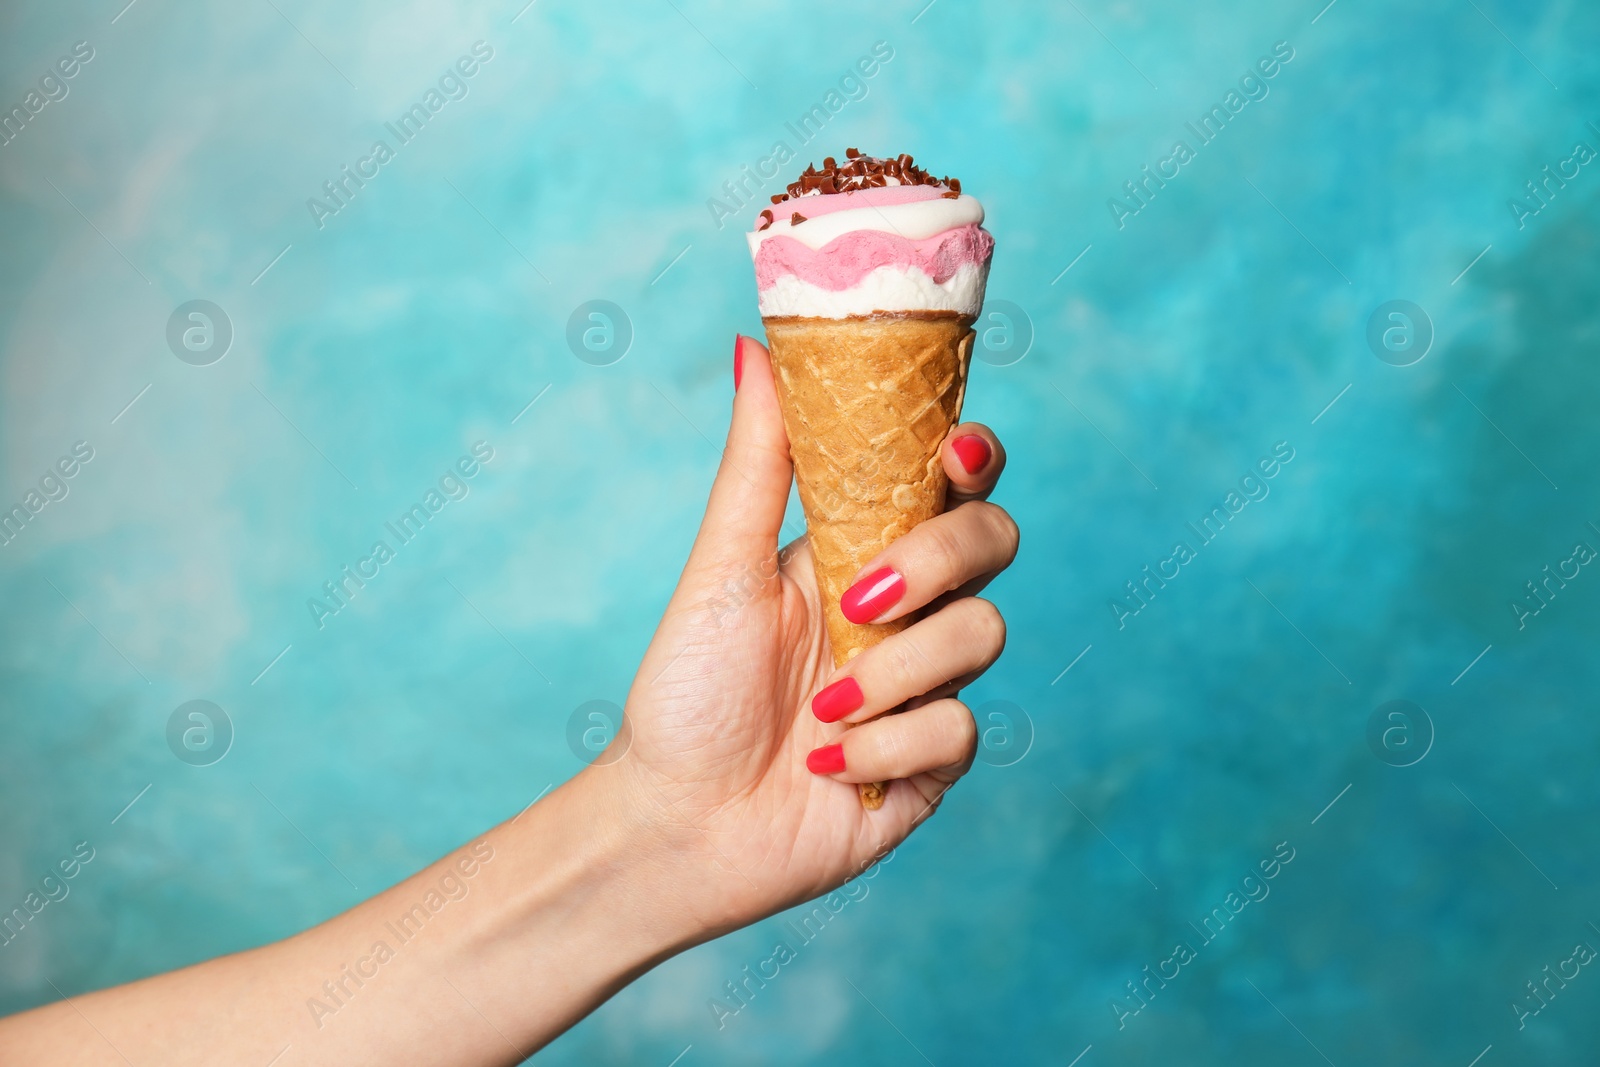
867, 403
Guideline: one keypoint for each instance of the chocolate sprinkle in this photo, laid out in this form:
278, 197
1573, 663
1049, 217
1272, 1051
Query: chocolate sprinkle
862, 172
796, 219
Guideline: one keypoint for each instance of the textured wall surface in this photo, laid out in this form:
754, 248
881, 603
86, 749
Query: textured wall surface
1174, 339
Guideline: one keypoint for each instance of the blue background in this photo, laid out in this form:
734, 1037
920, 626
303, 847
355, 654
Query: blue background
1221, 319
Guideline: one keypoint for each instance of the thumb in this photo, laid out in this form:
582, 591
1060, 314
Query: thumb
752, 487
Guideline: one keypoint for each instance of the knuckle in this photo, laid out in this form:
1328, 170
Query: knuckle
962, 729
1005, 531
942, 547
995, 524
888, 748
987, 627
900, 661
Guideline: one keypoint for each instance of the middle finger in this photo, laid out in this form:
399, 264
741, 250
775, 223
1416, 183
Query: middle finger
944, 553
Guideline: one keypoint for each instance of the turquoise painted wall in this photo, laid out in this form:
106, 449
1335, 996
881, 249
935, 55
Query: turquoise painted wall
1173, 342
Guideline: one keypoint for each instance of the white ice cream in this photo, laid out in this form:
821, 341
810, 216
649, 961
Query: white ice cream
892, 288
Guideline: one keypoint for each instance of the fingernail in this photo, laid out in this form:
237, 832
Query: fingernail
973, 452
837, 700
829, 759
872, 595
738, 360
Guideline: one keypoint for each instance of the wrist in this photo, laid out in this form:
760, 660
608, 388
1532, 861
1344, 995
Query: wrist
689, 888
621, 858
579, 898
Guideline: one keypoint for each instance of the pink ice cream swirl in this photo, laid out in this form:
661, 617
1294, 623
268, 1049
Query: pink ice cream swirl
846, 260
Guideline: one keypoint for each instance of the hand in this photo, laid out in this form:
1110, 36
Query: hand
721, 712
709, 820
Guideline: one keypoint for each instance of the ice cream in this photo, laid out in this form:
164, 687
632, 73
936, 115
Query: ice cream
870, 235
870, 275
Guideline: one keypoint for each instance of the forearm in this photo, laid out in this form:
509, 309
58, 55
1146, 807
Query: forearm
482, 958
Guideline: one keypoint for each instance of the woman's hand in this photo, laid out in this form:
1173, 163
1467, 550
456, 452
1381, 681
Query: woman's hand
733, 800
738, 760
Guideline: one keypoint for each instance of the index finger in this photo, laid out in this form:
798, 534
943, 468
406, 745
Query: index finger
973, 458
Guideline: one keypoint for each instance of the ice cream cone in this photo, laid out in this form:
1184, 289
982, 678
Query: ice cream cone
870, 274
867, 403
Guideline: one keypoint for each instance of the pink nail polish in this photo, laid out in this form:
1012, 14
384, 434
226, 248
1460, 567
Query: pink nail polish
829, 759
837, 700
973, 452
872, 595
738, 360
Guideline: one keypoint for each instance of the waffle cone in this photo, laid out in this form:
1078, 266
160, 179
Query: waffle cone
867, 403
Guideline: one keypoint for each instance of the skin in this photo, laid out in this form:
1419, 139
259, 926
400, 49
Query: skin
706, 821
